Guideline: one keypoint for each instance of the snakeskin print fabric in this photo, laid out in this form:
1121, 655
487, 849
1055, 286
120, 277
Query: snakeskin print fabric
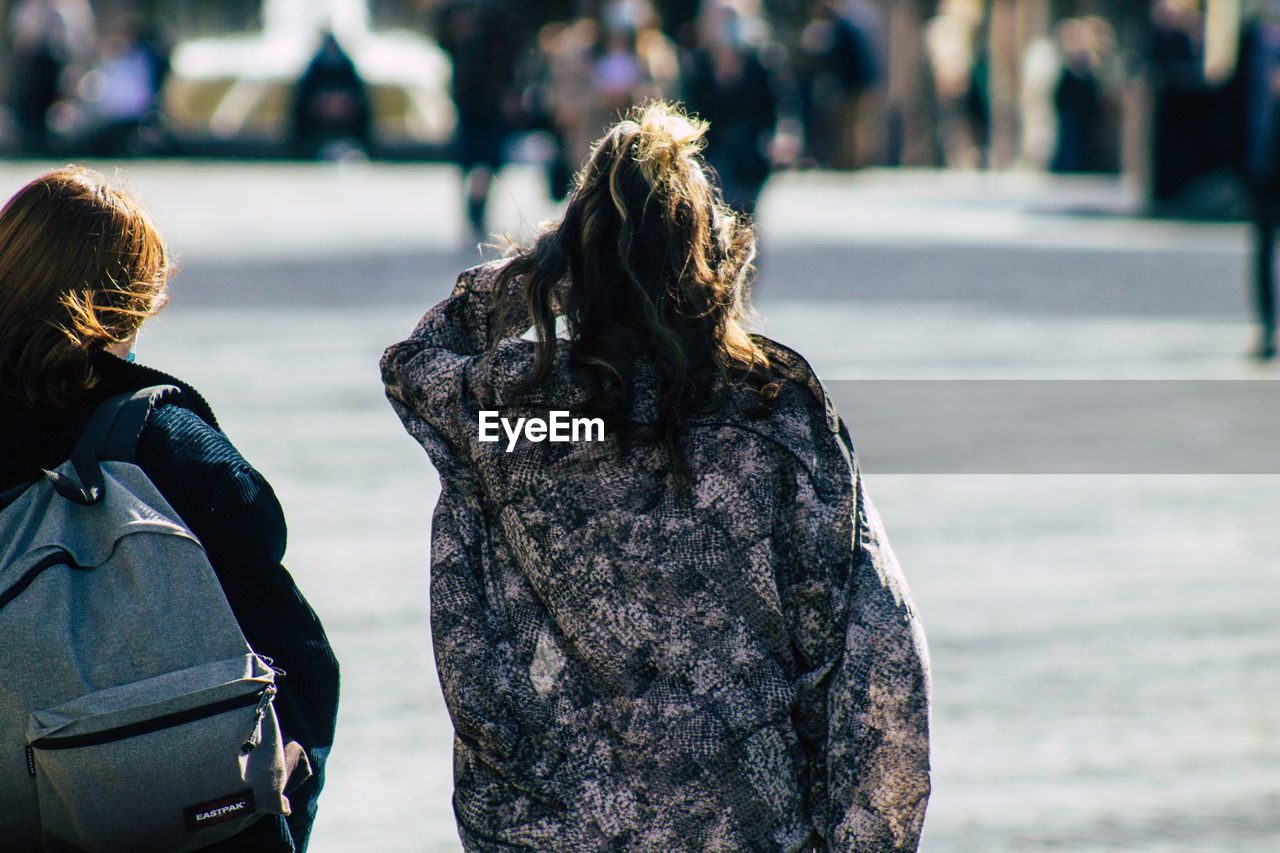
737, 667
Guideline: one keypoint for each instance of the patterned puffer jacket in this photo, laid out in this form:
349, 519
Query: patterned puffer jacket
631, 667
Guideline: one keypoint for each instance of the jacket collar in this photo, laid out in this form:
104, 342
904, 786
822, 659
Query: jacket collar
38, 437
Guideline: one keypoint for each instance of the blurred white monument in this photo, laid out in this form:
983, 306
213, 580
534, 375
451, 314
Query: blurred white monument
240, 85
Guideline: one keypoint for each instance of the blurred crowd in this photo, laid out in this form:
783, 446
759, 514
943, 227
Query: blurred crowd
69, 82
820, 86
812, 94
767, 105
805, 83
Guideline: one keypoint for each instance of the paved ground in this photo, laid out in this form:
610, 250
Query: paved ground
1104, 647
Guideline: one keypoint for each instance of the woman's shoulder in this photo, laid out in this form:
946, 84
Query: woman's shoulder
225, 501
192, 462
800, 418
183, 446
181, 432
799, 387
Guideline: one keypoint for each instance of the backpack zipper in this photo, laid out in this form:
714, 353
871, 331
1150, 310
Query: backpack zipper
259, 697
255, 733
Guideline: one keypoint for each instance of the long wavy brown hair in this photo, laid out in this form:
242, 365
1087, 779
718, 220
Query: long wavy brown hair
81, 266
646, 263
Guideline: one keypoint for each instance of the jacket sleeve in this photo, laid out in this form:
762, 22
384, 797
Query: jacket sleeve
489, 696
878, 704
235, 515
429, 376
425, 377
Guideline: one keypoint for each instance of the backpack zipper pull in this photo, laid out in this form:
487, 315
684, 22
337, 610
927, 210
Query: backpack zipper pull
255, 733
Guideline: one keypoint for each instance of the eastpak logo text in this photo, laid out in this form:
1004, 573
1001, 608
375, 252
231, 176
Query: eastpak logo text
558, 427
213, 814
216, 811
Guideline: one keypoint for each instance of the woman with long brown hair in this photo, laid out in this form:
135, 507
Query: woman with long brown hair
664, 612
81, 269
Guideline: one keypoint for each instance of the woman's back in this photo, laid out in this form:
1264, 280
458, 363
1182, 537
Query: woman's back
81, 268
635, 664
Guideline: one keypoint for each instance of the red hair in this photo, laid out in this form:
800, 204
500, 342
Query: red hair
81, 266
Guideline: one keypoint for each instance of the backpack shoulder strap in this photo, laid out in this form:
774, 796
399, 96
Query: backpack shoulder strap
111, 434
115, 438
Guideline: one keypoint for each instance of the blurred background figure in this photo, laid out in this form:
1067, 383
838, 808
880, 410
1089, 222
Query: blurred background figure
961, 83
1084, 99
1175, 43
562, 95
619, 73
479, 39
1077, 100
50, 43
236, 69
954, 45
1174, 58
119, 99
1254, 96
634, 61
729, 85
839, 64
1041, 70
331, 113
594, 67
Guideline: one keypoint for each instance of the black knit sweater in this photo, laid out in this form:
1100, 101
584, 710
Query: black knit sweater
235, 515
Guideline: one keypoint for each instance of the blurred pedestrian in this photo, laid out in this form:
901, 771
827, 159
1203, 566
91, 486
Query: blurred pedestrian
1182, 124
598, 67
841, 63
1174, 44
634, 62
956, 53
331, 111
123, 91
565, 50
51, 44
82, 268
1082, 98
683, 628
478, 38
729, 86
1040, 71
1254, 93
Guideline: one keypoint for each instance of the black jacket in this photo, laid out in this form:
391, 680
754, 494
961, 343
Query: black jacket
1240, 116
235, 514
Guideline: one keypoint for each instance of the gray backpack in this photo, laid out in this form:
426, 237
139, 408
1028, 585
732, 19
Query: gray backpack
133, 714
